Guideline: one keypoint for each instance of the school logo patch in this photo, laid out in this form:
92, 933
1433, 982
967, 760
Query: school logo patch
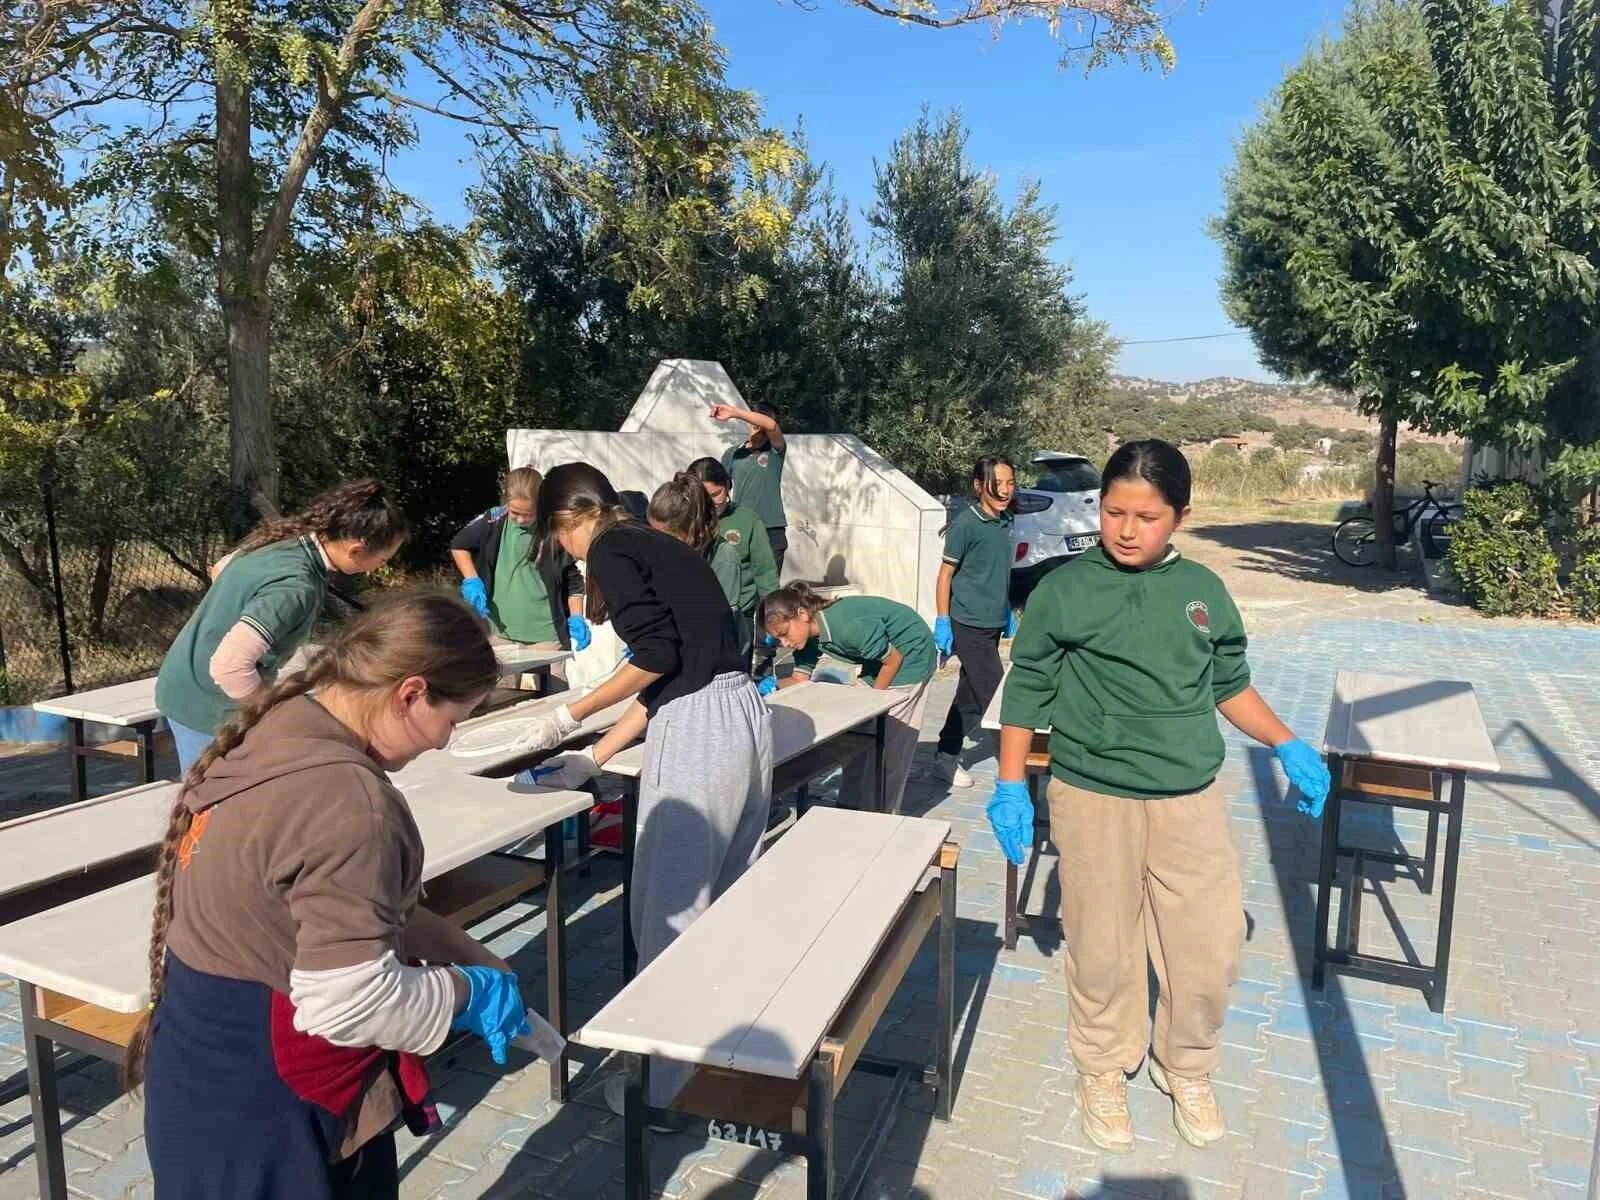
762, 460
733, 537
1198, 615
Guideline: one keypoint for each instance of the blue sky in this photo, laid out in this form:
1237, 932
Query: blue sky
1132, 161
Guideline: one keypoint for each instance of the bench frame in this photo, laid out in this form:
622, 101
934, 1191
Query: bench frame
796, 775
474, 890
1372, 781
80, 751
1038, 769
810, 1098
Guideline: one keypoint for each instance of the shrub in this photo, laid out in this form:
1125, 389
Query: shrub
1501, 552
1583, 587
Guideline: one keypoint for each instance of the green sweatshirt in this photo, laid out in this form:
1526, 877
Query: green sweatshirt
1126, 669
742, 529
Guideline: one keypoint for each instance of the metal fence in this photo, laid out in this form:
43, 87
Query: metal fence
88, 598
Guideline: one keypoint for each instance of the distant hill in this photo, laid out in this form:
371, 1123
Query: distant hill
1242, 394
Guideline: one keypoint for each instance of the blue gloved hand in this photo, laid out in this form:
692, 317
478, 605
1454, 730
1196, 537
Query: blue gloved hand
768, 642
475, 594
1011, 622
494, 1009
768, 685
578, 628
1011, 818
943, 636
1308, 773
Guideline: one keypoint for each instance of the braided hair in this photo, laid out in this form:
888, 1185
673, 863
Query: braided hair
361, 510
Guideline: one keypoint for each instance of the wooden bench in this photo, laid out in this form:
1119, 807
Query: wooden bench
130, 705
774, 992
1396, 742
83, 968
815, 730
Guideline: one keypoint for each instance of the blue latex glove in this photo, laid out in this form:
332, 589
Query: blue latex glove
1308, 773
494, 1010
1011, 818
579, 629
768, 642
1011, 622
768, 685
943, 636
475, 594
627, 653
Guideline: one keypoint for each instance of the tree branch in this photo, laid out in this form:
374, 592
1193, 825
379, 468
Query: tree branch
331, 93
1122, 13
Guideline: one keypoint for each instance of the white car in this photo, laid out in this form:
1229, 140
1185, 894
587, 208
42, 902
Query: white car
1055, 520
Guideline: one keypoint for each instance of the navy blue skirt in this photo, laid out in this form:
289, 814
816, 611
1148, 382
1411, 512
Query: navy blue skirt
220, 1121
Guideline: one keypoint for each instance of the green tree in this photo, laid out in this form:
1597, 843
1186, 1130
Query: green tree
264, 122
976, 317
1415, 191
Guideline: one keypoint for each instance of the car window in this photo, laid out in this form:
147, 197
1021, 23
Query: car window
1069, 477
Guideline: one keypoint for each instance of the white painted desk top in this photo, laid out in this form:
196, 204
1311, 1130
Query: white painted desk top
803, 716
128, 703
437, 763
97, 948
1420, 722
754, 984
519, 656
61, 842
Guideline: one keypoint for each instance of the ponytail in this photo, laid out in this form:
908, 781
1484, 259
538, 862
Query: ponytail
361, 510
682, 508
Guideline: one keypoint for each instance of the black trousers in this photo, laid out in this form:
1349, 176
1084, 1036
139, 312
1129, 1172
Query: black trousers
778, 535
981, 673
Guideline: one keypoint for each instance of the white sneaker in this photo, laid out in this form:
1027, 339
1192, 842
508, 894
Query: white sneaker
948, 768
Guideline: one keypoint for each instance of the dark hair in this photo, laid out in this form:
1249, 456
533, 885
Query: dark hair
709, 470
983, 470
422, 632
765, 409
682, 508
789, 600
572, 493
361, 510
1160, 464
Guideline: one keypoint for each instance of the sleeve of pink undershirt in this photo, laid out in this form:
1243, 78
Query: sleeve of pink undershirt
233, 663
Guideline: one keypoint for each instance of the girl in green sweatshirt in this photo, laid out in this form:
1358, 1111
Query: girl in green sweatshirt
1126, 654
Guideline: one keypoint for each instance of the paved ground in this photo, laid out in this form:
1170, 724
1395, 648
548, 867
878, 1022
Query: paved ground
1355, 1091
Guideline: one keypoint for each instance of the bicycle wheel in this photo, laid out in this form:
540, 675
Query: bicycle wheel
1356, 542
1437, 531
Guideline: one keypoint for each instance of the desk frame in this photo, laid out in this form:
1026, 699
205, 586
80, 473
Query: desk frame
1347, 958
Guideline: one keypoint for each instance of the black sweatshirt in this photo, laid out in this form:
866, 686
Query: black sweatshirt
666, 604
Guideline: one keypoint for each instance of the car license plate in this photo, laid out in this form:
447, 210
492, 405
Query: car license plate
1082, 541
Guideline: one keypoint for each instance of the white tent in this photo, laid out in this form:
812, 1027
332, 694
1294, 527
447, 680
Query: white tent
853, 518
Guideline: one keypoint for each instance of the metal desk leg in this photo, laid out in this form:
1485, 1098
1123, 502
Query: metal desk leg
555, 949
146, 734
1326, 871
630, 832
1430, 861
819, 1128
1447, 896
43, 1099
77, 760
880, 762
635, 1155
946, 1016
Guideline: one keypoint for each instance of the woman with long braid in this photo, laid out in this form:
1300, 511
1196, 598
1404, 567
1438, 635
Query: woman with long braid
287, 1016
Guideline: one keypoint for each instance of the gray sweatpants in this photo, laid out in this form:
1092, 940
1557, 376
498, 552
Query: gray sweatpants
859, 787
704, 795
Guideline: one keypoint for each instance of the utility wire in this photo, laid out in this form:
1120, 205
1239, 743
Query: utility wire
1204, 337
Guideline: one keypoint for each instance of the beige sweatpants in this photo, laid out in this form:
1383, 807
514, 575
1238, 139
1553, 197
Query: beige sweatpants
1156, 878
859, 786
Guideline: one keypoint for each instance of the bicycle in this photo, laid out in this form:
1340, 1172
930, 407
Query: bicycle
1355, 541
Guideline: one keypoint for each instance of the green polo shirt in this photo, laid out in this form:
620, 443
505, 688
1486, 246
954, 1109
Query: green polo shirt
862, 629
758, 481
519, 606
979, 547
741, 529
278, 591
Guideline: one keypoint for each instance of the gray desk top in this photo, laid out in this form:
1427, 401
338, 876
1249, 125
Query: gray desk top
1402, 719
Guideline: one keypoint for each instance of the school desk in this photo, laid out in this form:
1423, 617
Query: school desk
815, 728
130, 705
83, 967
1397, 741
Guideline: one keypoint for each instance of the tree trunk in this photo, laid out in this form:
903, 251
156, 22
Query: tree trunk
1383, 490
246, 310
100, 586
